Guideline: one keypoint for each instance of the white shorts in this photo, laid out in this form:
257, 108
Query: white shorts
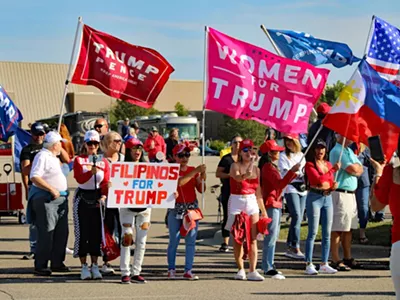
344, 212
238, 204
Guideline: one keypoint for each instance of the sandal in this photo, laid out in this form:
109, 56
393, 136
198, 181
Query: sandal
340, 266
364, 241
352, 263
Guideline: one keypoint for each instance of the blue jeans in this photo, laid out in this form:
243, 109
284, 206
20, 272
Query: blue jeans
296, 205
319, 206
270, 239
174, 225
32, 237
362, 197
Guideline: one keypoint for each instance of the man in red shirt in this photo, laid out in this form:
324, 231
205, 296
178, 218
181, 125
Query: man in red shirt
154, 144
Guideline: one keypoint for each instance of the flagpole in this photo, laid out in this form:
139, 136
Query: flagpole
312, 141
271, 40
69, 74
369, 35
340, 157
203, 121
278, 51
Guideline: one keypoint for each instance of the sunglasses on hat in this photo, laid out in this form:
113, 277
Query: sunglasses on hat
185, 154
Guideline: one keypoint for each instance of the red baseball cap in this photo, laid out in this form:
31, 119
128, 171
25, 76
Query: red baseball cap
180, 148
291, 136
133, 142
270, 145
323, 108
246, 144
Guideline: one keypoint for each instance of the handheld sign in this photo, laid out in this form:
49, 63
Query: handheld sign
143, 185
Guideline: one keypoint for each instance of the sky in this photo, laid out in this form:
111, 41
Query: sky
43, 30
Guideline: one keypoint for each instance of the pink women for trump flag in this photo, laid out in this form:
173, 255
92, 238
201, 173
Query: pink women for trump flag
247, 82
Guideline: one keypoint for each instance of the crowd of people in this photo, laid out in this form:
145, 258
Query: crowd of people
331, 184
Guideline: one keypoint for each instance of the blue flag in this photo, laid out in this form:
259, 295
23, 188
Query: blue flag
10, 116
21, 139
304, 47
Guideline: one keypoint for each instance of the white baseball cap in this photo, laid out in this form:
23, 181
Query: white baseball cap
92, 135
52, 137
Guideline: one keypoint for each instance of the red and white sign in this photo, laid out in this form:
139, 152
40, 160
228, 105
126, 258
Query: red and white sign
121, 70
143, 185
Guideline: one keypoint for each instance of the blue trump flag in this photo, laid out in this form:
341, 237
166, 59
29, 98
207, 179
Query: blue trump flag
10, 116
304, 47
21, 139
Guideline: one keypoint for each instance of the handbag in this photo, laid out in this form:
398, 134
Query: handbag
89, 197
299, 186
109, 246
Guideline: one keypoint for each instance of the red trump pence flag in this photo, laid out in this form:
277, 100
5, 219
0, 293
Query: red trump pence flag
121, 70
247, 82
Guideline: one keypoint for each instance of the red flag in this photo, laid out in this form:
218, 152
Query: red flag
131, 73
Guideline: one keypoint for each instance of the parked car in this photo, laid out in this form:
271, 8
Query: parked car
208, 151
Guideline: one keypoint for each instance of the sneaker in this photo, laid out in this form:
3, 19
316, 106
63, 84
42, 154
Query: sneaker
298, 255
189, 275
171, 274
327, 269
224, 248
240, 275
310, 270
126, 279
275, 274
289, 253
42, 272
138, 279
61, 269
29, 256
69, 251
106, 269
255, 276
96, 272
85, 273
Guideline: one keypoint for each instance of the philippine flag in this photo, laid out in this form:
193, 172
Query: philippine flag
368, 106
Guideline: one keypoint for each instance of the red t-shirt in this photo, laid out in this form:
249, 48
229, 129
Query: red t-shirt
315, 175
187, 192
387, 192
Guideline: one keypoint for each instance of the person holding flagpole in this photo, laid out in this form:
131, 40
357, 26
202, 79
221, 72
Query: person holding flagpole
344, 203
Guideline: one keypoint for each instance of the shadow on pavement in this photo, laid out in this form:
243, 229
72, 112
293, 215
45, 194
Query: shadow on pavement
328, 294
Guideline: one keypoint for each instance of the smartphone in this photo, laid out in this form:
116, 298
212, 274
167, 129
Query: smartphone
375, 146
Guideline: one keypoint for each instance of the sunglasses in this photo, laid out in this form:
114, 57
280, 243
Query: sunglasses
245, 150
137, 148
117, 141
98, 126
182, 155
92, 143
39, 134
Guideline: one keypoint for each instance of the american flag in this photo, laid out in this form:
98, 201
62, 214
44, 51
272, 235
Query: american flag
383, 53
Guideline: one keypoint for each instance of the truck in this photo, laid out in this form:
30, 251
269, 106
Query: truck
77, 123
188, 126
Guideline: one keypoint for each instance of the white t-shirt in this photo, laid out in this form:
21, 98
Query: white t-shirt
285, 164
48, 167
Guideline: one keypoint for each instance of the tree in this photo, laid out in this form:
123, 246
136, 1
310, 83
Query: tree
332, 92
246, 128
181, 110
123, 109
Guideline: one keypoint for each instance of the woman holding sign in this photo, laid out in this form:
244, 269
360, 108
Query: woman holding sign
139, 218
190, 180
92, 177
246, 196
